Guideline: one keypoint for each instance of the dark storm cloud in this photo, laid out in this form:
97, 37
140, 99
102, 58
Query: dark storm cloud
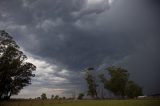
74, 35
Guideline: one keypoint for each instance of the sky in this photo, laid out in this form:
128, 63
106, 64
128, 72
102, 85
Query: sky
63, 37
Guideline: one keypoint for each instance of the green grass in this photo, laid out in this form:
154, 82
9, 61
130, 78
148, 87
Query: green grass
111, 103
81, 103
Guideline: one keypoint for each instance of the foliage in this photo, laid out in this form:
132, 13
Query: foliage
43, 96
52, 96
120, 84
15, 73
91, 83
80, 96
63, 98
56, 97
133, 90
117, 82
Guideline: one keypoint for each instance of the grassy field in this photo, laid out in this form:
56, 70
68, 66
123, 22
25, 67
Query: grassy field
83, 103
112, 103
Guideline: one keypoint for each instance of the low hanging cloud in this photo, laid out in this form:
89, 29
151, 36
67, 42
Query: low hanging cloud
63, 37
49, 79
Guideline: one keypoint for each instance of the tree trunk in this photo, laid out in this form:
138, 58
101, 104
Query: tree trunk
10, 94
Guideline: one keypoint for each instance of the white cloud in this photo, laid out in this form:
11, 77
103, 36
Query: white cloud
32, 92
44, 74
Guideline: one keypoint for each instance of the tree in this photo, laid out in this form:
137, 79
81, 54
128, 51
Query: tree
80, 96
15, 72
56, 97
133, 89
63, 98
117, 82
38, 98
43, 96
91, 83
120, 84
52, 96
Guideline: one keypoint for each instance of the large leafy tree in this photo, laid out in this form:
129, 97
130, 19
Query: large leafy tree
117, 82
133, 89
91, 81
15, 72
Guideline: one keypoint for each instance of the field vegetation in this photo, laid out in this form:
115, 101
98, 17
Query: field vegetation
81, 103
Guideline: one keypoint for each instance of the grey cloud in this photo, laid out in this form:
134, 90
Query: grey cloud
74, 36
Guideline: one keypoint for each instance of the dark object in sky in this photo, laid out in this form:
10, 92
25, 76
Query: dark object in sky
90, 68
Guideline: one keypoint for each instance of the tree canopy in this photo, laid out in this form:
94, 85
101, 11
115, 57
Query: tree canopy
15, 72
133, 89
80, 96
43, 96
91, 83
119, 84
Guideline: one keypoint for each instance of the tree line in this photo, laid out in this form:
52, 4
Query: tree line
57, 97
117, 82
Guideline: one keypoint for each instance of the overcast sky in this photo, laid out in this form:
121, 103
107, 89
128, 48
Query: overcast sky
63, 37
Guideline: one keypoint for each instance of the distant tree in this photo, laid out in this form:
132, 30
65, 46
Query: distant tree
56, 97
15, 72
92, 86
117, 82
63, 98
43, 96
80, 96
52, 96
133, 89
